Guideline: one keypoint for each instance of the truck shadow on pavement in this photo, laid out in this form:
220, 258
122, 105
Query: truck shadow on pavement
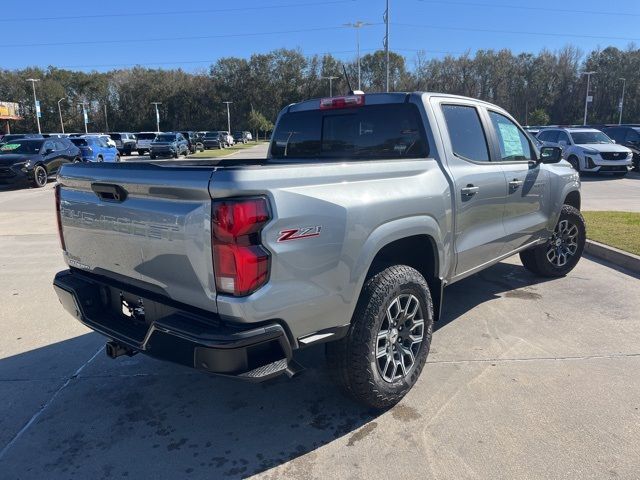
142, 418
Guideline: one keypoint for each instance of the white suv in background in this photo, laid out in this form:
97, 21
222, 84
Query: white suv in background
588, 149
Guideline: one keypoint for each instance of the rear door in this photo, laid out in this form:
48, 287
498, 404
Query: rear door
157, 236
527, 207
479, 184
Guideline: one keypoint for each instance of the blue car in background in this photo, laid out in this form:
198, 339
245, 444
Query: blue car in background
94, 148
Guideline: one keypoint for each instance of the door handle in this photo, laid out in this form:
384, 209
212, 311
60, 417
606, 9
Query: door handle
515, 184
470, 190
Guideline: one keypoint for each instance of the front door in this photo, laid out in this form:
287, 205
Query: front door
479, 184
527, 207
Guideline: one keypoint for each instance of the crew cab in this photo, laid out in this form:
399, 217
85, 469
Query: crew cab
144, 140
366, 207
126, 143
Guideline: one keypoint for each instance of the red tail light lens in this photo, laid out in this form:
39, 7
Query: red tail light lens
240, 262
59, 217
342, 102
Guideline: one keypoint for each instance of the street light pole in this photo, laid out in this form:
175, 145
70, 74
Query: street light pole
330, 78
106, 121
84, 116
60, 113
228, 117
386, 45
586, 98
157, 116
358, 25
35, 100
624, 84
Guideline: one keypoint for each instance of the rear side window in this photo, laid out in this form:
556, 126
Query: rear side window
632, 136
79, 142
548, 136
370, 132
468, 139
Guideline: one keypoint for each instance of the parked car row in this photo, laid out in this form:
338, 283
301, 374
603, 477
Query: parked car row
606, 149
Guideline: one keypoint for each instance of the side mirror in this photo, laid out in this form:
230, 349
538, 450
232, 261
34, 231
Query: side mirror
550, 155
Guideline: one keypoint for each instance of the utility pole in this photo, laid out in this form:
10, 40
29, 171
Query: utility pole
106, 122
330, 78
35, 100
587, 99
60, 113
84, 116
624, 84
228, 117
386, 44
157, 116
358, 25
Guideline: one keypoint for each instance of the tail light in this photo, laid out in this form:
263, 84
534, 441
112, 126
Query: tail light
342, 102
240, 262
59, 217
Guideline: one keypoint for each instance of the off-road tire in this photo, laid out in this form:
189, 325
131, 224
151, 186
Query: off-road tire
352, 360
535, 259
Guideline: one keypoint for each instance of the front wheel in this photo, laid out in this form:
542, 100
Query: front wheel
575, 163
561, 253
117, 158
383, 354
39, 176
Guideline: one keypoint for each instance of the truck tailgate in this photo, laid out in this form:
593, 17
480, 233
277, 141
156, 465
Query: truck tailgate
156, 234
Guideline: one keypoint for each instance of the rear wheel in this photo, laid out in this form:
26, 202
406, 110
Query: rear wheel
99, 159
39, 176
564, 249
387, 345
117, 158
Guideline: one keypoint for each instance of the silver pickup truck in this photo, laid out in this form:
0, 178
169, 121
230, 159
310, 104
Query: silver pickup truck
365, 208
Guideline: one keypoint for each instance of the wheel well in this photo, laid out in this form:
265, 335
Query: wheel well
573, 199
419, 252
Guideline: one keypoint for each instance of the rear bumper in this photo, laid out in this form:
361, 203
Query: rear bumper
168, 332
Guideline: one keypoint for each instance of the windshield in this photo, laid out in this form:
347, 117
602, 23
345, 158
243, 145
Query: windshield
146, 136
582, 138
368, 132
28, 147
212, 135
165, 138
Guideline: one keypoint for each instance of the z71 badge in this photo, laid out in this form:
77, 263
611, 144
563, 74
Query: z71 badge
299, 233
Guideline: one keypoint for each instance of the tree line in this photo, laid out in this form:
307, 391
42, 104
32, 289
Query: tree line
546, 87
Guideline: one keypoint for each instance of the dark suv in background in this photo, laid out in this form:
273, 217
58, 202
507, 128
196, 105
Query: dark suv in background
193, 139
126, 143
629, 136
172, 144
213, 140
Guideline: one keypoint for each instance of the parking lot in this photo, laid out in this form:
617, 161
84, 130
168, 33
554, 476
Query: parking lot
527, 378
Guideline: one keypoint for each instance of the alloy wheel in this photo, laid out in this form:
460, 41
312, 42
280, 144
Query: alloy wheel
563, 244
399, 338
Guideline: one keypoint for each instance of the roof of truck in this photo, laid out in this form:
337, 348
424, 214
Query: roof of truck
392, 97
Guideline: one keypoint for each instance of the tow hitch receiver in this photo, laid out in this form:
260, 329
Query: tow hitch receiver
115, 350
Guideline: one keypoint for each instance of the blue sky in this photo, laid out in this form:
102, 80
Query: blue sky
191, 35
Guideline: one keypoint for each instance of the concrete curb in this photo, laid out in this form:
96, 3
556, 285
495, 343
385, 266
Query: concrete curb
613, 255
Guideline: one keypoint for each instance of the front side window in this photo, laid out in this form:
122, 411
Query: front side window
362, 133
632, 136
563, 137
514, 144
467, 136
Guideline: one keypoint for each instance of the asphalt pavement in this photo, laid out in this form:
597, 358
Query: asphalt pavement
527, 379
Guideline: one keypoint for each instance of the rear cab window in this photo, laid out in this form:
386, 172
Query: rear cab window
386, 131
